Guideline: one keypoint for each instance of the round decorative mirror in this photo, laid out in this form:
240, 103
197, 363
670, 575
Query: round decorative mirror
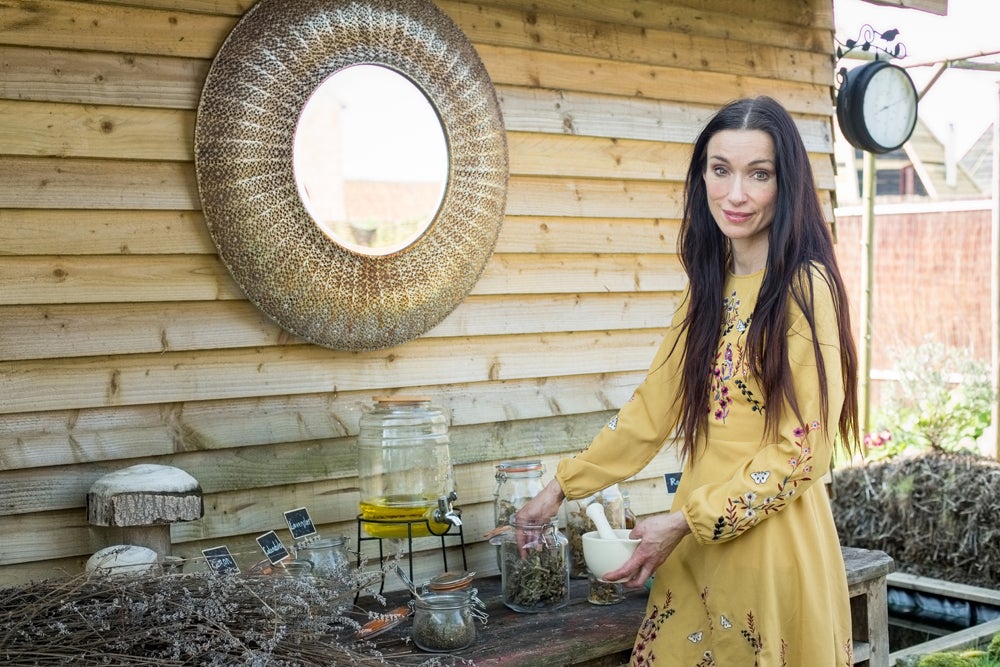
334, 251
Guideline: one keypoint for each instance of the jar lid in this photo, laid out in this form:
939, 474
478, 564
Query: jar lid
386, 400
519, 466
451, 581
325, 542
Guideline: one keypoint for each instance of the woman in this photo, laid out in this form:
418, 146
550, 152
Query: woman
755, 381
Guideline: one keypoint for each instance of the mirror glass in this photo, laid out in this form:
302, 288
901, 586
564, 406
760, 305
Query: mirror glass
370, 159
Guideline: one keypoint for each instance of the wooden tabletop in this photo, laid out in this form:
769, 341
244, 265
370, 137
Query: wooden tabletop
579, 634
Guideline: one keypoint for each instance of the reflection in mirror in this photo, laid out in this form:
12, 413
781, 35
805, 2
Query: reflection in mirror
370, 159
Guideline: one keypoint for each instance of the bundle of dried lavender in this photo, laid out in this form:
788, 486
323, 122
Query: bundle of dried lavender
192, 619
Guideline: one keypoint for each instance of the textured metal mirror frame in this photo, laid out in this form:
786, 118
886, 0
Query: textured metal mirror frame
269, 65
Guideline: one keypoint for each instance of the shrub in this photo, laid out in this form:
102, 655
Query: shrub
941, 400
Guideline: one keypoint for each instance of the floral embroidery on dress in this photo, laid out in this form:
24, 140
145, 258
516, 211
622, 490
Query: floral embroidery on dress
753, 638
746, 510
707, 660
642, 655
730, 362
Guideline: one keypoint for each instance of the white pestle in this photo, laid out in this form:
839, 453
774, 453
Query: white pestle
596, 513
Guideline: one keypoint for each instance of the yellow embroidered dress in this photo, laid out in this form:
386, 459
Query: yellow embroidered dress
760, 582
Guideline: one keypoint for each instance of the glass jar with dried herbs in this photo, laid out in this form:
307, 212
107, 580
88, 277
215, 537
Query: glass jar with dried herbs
534, 568
444, 622
517, 483
578, 523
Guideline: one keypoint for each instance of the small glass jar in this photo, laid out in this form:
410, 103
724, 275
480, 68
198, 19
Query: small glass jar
328, 556
444, 622
534, 570
604, 592
630, 518
578, 523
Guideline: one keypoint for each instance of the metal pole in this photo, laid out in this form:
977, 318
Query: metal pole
995, 290
867, 262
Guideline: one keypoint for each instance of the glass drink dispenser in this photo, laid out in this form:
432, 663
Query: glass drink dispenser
404, 469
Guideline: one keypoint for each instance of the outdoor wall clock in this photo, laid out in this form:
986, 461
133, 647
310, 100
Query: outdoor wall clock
877, 107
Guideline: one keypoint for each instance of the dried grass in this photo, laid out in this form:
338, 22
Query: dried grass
937, 514
178, 620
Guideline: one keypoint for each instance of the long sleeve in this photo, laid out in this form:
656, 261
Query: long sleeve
774, 474
637, 432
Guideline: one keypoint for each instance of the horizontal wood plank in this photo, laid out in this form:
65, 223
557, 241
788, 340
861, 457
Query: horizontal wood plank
103, 232
512, 66
173, 377
77, 130
138, 278
536, 154
562, 112
151, 232
772, 24
129, 278
59, 331
555, 235
67, 75
48, 182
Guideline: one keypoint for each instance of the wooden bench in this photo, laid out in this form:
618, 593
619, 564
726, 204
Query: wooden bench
587, 635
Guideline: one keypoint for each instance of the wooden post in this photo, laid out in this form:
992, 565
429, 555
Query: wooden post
142, 501
995, 291
865, 309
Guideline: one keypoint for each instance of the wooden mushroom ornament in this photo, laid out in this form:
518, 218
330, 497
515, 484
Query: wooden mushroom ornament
142, 501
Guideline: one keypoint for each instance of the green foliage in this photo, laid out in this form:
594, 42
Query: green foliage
966, 658
946, 660
993, 651
941, 400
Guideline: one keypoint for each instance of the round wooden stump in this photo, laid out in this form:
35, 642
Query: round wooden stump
142, 501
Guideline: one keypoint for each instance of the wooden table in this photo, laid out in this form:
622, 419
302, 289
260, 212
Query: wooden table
587, 635
551, 639
866, 584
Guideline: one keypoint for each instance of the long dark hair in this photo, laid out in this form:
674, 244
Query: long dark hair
799, 239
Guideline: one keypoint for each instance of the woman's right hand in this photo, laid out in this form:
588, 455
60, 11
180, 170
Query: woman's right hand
542, 507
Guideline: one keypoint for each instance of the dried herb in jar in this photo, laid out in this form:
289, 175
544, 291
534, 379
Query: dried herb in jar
535, 567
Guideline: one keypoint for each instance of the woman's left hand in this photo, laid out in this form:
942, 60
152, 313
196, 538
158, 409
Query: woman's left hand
660, 534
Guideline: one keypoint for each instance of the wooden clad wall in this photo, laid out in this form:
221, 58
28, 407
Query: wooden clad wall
124, 340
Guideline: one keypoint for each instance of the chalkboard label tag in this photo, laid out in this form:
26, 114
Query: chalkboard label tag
299, 523
220, 560
273, 547
673, 480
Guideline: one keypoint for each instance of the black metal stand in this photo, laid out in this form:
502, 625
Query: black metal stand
409, 541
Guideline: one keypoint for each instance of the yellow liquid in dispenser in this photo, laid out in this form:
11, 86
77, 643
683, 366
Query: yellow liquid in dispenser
402, 509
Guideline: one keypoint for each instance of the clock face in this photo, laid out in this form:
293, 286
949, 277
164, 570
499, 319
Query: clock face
889, 107
877, 107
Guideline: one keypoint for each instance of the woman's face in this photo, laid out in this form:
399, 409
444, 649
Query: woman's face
742, 189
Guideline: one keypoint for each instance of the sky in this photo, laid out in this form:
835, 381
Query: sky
961, 103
